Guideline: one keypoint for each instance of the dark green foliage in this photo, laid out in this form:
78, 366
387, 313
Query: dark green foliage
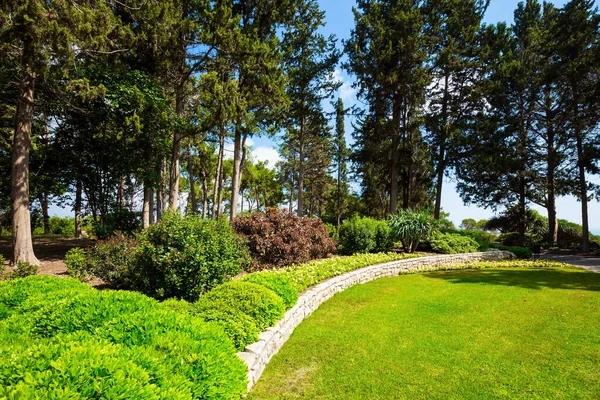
412, 227
23, 270
279, 239
512, 239
259, 303
94, 344
450, 243
365, 235
184, 257
112, 260
278, 283
77, 265
520, 252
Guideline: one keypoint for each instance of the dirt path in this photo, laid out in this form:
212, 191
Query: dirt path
50, 251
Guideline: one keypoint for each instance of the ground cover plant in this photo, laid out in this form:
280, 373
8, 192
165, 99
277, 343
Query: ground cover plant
65, 339
495, 330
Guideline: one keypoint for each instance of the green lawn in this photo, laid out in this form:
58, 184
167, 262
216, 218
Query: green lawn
499, 333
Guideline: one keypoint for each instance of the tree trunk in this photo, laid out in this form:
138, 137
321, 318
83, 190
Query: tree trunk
151, 207
21, 218
583, 196
394, 154
44, 204
194, 201
300, 196
78, 193
442, 155
551, 180
174, 175
161, 195
121, 192
204, 193
237, 172
146, 207
217, 194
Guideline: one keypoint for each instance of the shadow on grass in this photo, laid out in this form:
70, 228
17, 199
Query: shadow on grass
529, 279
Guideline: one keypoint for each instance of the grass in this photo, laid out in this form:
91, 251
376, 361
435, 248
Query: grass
485, 333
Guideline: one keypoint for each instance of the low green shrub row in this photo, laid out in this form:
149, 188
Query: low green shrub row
64, 339
247, 306
451, 243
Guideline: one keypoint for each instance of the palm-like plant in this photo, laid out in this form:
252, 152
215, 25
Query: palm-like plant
412, 227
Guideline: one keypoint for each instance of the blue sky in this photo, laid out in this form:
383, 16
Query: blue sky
340, 21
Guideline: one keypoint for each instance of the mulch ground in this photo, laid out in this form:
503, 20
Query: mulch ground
50, 251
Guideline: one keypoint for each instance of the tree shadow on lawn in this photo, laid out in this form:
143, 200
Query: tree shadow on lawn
568, 278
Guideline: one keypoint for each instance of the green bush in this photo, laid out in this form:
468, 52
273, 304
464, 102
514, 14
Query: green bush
238, 326
278, 284
184, 257
520, 252
112, 260
449, 243
365, 235
259, 303
77, 265
412, 227
23, 270
512, 239
64, 339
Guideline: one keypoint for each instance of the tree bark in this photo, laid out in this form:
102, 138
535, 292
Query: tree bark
237, 172
151, 207
583, 196
300, 196
216, 208
204, 191
394, 154
21, 218
121, 192
551, 178
46, 217
146, 207
175, 154
194, 201
161, 195
78, 195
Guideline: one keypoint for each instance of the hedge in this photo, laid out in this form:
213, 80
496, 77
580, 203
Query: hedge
450, 243
64, 339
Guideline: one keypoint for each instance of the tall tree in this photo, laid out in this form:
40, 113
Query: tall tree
577, 34
46, 37
310, 61
452, 26
341, 159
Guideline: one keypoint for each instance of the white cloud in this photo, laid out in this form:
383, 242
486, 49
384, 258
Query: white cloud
266, 154
346, 91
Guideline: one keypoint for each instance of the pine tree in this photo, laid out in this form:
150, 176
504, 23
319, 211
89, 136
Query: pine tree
341, 158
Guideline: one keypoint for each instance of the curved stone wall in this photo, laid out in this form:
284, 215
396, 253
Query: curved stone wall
257, 355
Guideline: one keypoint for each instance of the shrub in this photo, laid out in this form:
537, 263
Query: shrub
77, 265
278, 284
239, 327
278, 238
105, 344
184, 257
23, 270
449, 243
112, 260
512, 239
259, 303
365, 235
412, 227
520, 252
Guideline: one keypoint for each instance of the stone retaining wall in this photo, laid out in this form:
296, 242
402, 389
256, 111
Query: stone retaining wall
257, 355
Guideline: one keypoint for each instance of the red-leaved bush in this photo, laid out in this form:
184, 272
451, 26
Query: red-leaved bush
278, 239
